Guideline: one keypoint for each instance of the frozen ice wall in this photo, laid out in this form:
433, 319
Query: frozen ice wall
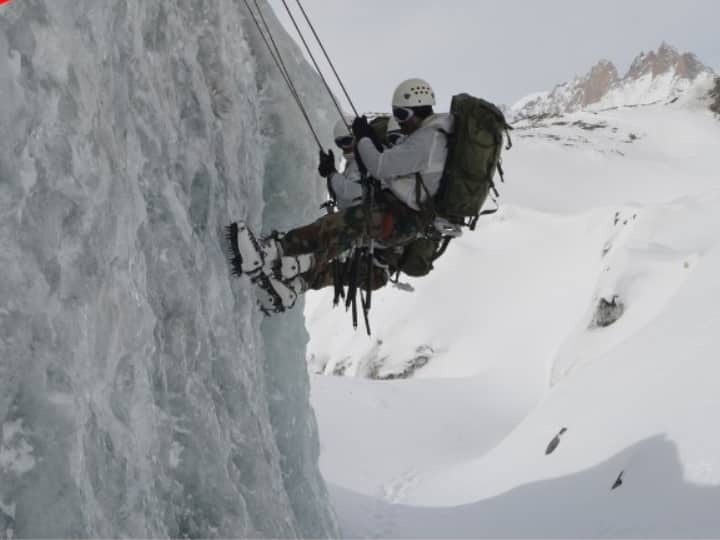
138, 394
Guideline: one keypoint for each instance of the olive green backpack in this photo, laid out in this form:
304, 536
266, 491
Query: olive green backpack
418, 256
379, 125
474, 152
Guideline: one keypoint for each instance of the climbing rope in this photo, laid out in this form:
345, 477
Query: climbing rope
317, 67
267, 36
354, 263
277, 58
332, 66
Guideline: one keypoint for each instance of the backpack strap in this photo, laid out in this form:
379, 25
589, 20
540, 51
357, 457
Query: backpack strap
427, 207
338, 269
443, 247
507, 129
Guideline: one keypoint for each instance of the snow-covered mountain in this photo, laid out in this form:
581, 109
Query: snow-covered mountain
139, 396
560, 361
656, 76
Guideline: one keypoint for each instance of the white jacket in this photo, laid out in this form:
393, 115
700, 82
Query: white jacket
346, 185
424, 152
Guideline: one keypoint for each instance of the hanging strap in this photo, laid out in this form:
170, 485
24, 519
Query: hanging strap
337, 266
351, 299
369, 252
339, 289
365, 301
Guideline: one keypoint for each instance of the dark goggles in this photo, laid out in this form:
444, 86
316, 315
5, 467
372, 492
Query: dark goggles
395, 137
403, 114
342, 142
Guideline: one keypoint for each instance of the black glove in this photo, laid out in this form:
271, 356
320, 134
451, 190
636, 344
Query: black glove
361, 129
327, 164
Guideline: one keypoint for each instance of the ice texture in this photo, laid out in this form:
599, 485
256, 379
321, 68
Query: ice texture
139, 396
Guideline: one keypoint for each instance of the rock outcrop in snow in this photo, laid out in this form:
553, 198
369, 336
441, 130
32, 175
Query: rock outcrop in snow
715, 96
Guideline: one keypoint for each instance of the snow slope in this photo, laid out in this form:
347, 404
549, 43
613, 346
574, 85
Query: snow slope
623, 202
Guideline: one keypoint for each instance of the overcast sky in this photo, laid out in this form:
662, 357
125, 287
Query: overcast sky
500, 50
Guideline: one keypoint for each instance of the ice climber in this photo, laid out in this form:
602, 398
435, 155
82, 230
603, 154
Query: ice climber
347, 189
409, 173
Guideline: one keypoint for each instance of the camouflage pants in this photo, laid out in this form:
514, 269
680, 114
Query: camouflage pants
389, 222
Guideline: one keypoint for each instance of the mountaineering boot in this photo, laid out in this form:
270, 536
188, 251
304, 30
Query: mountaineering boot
292, 266
247, 254
253, 257
276, 296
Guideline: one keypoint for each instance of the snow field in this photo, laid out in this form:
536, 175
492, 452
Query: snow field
458, 449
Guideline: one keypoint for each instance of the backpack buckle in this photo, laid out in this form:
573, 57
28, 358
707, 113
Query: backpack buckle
445, 228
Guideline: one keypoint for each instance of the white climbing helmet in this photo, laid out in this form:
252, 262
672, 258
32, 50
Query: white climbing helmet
413, 93
341, 127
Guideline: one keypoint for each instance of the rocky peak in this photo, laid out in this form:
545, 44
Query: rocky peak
597, 82
689, 67
665, 59
655, 76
